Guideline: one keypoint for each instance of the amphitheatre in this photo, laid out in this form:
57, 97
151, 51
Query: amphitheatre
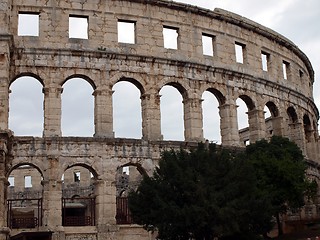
71, 188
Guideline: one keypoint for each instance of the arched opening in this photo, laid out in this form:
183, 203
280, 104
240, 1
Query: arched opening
24, 195
307, 128
243, 121
78, 196
172, 114
128, 178
293, 117
77, 117
270, 114
293, 129
26, 107
127, 118
211, 117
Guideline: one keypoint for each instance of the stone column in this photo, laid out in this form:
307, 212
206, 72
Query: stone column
5, 43
277, 125
4, 102
296, 134
52, 194
52, 111
105, 192
4, 142
151, 116
103, 115
229, 125
257, 126
193, 124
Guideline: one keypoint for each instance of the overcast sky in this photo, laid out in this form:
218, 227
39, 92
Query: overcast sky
297, 20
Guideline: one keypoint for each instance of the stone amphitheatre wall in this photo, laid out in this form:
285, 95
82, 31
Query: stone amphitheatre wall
53, 58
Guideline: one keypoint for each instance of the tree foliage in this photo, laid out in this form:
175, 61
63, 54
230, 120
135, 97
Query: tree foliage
210, 192
200, 195
280, 170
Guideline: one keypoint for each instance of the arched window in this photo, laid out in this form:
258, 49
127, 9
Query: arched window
78, 197
77, 108
211, 117
127, 120
171, 106
26, 107
24, 195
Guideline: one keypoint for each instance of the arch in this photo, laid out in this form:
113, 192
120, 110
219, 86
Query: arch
82, 76
274, 111
307, 127
134, 82
139, 167
128, 178
127, 114
219, 96
24, 164
273, 124
89, 168
211, 100
248, 101
26, 115
292, 114
172, 111
77, 107
177, 85
27, 74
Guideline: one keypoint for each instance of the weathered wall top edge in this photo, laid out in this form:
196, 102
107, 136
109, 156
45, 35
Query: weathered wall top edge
238, 20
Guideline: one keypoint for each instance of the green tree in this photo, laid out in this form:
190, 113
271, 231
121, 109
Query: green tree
201, 194
280, 171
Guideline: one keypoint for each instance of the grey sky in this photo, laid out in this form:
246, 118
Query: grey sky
295, 19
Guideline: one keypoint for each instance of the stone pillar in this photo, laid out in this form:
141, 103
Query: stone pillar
52, 194
103, 115
296, 135
229, 125
193, 124
151, 117
5, 43
257, 126
52, 111
105, 192
4, 142
277, 125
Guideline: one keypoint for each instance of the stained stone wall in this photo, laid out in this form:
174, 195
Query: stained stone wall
53, 58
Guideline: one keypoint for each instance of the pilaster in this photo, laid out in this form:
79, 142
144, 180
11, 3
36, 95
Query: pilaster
193, 123
52, 195
5, 146
257, 125
52, 111
229, 125
151, 122
103, 115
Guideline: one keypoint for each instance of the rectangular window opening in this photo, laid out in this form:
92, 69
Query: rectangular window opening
301, 74
28, 24
207, 44
78, 27
285, 68
27, 182
170, 37
126, 170
265, 61
239, 52
126, 32
76, 176
11, 181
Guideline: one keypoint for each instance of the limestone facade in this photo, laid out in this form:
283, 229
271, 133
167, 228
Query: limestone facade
52, 57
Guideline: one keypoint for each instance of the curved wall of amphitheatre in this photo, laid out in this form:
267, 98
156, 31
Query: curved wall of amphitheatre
53, 57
